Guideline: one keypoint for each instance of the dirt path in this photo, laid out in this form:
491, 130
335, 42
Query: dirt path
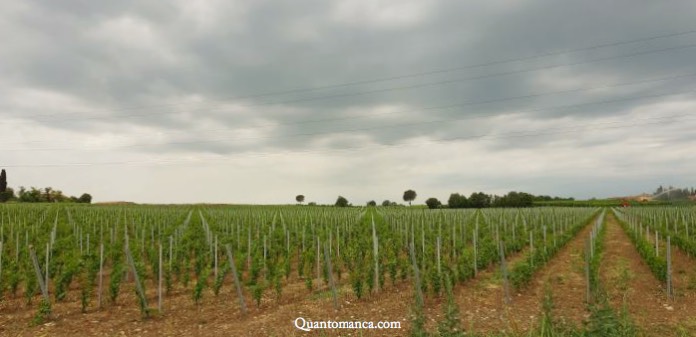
626, 277
564, 273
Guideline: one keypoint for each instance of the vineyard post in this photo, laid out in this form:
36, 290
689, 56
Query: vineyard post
215, 256
142, 242
587, 270
592, 243
235, 277
239, 242
318, 261
497, 233
545, 244
48, 245
454, 242
463, 228
375, 245
338, 243
503, 267
127, 244
249, 248
524, 223
39, 276
265, 249
670, 290
531, 247
686, 224
329, 271
412, 237
439, 265
416, 274
475, 235
423, 238
159, 283
101, 273
657, 243
171, 247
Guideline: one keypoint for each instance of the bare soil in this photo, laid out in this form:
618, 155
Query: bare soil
629, 283
480, 300
484, 308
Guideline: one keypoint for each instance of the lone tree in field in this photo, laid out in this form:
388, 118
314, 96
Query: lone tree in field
433, 203
3, 181
372, 203
300, 198
409, 196
341, 202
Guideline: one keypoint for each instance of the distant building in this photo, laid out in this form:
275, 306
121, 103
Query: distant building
640, 198
643, 197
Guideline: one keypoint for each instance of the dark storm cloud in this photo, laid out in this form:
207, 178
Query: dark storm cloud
134, 54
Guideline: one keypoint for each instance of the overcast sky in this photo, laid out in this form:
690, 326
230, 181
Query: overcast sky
257, 101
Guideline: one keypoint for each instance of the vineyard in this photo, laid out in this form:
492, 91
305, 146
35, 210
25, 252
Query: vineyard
251, 270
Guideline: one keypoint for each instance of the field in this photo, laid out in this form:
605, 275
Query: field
252, 270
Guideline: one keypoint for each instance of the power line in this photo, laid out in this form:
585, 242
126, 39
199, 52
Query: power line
513, 134
411, 124
438, 71
471, 66
463, 104
368, 92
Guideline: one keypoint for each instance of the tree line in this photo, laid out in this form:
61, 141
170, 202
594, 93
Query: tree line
457, 200
672, 193
33, 194
483, 200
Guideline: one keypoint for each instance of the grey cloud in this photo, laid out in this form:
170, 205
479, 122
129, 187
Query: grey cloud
184, 69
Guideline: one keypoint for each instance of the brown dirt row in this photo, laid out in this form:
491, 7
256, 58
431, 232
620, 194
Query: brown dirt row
629, 281
563, 273
216, 315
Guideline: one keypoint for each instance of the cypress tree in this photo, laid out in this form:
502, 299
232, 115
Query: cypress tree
3, 181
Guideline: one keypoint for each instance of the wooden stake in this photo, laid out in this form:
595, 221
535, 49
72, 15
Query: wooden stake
101, 273
159, 285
